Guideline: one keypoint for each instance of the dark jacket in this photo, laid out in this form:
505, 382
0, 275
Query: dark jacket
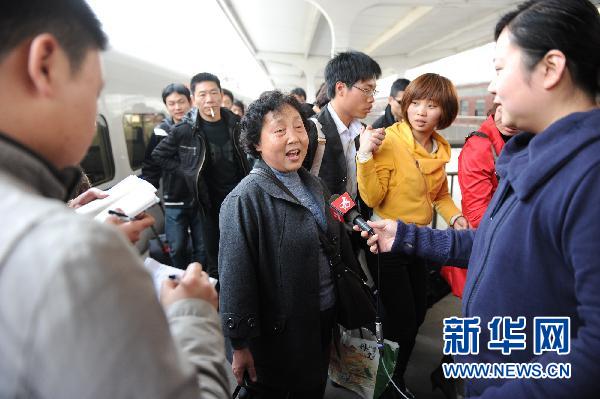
385, 120
535, 253
175, 189
268, 271
307, 110
333, 170
183, 152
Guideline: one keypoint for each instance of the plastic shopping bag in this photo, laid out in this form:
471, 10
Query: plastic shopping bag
356, 364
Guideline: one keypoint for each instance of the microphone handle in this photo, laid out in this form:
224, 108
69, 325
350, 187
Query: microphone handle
360, 222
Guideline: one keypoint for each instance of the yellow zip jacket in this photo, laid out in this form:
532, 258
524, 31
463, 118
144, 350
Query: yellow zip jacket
403, 181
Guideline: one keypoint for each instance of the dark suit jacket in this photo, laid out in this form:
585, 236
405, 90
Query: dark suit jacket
334, 171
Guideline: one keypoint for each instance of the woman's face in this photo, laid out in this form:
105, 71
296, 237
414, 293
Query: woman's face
515, 88
424, 116
504, 129
283, 139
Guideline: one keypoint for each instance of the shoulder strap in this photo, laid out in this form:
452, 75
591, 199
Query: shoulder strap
328, 246
321, 141
274, 179
485, 136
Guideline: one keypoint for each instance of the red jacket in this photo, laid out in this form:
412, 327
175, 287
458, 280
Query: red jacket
477, 171
478, 181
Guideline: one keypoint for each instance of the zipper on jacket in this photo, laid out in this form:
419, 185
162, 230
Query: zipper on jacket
426, 192
200, 167
239, 152
489, 243
503, 195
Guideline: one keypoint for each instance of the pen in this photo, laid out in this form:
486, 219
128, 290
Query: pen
121, 215
175, 278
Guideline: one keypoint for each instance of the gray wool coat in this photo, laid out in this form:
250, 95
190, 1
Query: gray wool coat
268, 270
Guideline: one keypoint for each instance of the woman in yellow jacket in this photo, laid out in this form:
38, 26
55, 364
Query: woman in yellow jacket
404, 178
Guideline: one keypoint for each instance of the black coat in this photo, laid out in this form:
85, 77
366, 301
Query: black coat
268, 271
183, 152
175, 189
333, 170
385, 120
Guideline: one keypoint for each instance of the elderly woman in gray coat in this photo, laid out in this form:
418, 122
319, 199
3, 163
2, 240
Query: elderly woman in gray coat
277, 296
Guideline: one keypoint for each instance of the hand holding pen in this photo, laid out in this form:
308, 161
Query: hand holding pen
132, 227
193, 284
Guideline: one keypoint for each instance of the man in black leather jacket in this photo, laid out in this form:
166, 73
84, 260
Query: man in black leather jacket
204, 148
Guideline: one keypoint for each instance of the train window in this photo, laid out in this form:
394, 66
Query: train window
480, 108
138, 129
464, 107
98, 163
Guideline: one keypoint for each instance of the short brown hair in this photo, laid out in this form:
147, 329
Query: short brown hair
431, 86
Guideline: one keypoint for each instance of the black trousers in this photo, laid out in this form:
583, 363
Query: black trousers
210, 228
403, 294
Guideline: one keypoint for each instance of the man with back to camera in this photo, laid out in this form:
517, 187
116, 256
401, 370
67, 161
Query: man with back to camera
74, 295
205, 149
393, 111
228, 99
181, 211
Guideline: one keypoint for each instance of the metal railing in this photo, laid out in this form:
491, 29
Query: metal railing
437, 219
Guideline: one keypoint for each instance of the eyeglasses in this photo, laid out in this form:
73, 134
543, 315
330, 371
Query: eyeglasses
398, 101
367, 92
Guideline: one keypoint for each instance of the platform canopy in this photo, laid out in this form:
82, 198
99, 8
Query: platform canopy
293, 39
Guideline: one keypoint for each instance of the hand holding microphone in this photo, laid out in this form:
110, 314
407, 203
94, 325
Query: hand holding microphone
385, 234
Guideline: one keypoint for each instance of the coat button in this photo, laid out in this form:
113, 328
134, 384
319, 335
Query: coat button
408, 245
251, 322
276, 326
230, 323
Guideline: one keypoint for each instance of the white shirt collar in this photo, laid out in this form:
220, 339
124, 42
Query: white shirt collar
354, 128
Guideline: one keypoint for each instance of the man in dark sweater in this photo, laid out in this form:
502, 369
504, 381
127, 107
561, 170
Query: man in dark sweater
205, 150
393, 111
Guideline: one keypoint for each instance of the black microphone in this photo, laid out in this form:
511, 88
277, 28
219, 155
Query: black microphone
343, 209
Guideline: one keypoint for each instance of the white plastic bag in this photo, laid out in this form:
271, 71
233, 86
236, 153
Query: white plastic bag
358, 366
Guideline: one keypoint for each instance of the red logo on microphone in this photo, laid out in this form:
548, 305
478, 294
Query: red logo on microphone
341, 206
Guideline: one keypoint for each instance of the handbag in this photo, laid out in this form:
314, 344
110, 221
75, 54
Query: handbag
355, 303
248, 389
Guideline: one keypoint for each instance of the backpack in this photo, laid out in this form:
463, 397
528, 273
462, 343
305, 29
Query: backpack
321, 141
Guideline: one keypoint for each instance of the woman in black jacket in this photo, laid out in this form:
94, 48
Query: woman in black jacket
277, 296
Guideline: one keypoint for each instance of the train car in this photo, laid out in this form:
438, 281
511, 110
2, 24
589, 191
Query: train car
128, 110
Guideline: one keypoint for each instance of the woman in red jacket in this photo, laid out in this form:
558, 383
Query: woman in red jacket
477, 177
477, 165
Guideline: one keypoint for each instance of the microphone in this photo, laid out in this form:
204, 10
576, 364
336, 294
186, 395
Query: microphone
343, 209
